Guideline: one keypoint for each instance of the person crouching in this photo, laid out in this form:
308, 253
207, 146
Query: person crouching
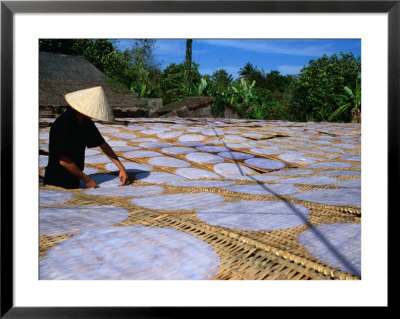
72, 132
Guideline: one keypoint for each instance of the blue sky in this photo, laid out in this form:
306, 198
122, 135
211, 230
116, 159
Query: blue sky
287, 56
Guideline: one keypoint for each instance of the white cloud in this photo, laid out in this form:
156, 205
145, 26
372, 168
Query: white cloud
291, 47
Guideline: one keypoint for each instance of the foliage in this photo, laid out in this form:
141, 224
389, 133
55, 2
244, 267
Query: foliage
139, 70
251, 100
221, 80
247, 70
254, 101
240, 95
100, 53
218, 108
64, 46
251, 73
274, 81
135, 68
320, 83
327, 89
350, 100
173, 82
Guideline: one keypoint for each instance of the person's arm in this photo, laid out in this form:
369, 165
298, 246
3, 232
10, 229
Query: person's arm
123, 176
71, 167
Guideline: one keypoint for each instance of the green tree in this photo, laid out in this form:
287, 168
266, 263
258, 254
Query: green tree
138, 69
252, 73
319, 84
259, 77
134, 68
173, 82
100, 53
65, 46
247, 70
276, 81
221, 80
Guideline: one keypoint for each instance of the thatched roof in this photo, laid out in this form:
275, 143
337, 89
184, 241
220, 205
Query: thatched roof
190, 103
60, 74
51, 93
196, 106
67, 67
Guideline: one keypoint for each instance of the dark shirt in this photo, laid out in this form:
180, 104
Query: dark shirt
69, 138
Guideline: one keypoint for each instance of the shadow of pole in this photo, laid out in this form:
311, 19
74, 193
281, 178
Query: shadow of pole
323, 239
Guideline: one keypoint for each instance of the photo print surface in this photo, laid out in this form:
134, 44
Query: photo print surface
201, 159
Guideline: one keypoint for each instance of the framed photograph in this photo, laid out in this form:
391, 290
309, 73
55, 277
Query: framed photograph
25, 292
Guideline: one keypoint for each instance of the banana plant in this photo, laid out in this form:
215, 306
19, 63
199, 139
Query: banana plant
140, 90
231, 94
202, 86
240, 93
350, 99
246, 91
256, 112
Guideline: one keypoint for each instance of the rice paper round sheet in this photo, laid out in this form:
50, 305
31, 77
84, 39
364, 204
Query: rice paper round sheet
131, 253
56, 221
336, 244
255, 215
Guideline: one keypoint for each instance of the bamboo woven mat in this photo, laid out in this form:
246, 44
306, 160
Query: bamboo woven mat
280, 253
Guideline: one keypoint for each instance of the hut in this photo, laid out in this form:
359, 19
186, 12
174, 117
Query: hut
61, 73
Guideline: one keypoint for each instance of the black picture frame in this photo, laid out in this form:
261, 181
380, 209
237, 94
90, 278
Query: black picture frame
9, 8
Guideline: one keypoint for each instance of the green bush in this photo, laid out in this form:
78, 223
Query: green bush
319, 85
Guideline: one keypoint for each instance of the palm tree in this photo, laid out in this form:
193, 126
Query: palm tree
188, 60
247, 70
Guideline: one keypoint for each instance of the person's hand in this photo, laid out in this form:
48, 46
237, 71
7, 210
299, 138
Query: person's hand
90, 183
123, 177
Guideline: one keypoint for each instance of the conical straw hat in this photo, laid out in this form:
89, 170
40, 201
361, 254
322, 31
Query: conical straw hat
92, 103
